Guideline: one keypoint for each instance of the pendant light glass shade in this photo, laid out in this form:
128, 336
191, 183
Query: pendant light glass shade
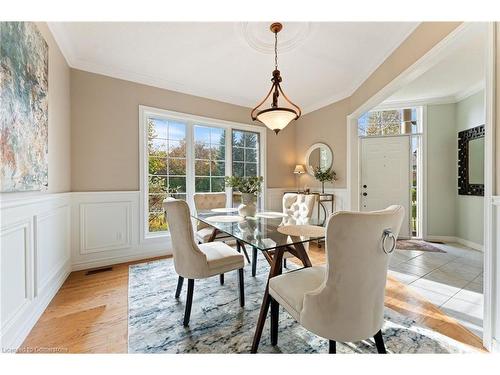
276, 117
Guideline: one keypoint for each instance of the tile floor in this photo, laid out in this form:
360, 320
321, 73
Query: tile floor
452, 280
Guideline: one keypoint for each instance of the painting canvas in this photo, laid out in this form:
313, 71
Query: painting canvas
24, 77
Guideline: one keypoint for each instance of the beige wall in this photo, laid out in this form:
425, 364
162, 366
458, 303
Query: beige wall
327, 125
59, 117
105, 134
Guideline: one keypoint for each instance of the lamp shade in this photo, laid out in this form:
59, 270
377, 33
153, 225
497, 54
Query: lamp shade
299, 169
276, 118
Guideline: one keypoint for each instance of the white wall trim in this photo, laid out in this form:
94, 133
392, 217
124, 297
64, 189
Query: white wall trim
112, 260
43, 234
491, 319
450, 99
29, 319
96, 244
125, 241
11, 200
453, 239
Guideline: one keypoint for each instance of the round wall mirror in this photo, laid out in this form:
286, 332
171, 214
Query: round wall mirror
318, 155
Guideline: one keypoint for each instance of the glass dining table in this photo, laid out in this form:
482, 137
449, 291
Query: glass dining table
271, 233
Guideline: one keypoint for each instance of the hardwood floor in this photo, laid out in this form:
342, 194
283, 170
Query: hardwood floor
89, 313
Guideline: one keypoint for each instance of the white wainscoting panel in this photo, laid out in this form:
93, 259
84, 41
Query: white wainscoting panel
52, 247
105, 226
106, 230
17, 285
35, 259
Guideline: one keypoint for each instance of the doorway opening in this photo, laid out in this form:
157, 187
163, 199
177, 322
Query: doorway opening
454, 87
391, 163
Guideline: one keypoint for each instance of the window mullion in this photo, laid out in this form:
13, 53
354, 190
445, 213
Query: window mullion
190, 163
229, 164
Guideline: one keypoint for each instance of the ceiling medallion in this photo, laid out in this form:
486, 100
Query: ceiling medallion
276, 117
295, 35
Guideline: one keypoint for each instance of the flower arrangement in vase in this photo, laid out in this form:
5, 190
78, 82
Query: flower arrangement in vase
327, 175
249, 187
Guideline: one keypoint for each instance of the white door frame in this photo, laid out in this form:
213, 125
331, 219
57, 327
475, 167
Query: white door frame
427, 61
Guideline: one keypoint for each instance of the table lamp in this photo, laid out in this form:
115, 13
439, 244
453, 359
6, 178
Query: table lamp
299, 169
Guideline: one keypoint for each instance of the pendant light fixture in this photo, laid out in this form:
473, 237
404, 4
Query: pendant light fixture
276, 117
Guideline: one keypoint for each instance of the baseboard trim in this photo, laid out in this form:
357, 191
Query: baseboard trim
495, 346
39, 306
459, 240
470, 244
117, 260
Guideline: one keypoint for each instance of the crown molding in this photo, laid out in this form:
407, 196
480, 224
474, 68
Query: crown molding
59, 33
449, 99
362, 78
474, 89
397, 104
154, 81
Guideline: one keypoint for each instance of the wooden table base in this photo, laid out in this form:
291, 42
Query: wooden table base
275, 258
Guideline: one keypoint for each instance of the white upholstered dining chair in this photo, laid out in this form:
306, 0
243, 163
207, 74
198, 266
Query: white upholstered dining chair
193, 261
204, 202
299, 208
205, 232
344, 300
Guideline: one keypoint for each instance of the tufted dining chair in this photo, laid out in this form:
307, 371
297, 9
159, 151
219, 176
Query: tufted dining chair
204, 232
299, 208
344, 300
205, 202
193, 261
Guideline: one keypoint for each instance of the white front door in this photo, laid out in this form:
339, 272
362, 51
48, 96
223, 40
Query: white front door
385, 175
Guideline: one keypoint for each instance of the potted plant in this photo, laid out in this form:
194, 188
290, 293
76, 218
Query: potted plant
327, 175
249, 187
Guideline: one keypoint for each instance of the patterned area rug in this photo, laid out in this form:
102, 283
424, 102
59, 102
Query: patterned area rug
219, 325
417, 245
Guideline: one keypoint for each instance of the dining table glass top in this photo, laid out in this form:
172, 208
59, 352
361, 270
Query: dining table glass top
261, 231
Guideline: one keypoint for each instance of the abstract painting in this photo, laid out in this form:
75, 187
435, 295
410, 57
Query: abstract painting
24, 79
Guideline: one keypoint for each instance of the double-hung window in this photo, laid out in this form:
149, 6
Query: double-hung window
209, 158
184, 154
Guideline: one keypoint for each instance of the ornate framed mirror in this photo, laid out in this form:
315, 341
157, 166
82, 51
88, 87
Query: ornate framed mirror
471, 161
318, 155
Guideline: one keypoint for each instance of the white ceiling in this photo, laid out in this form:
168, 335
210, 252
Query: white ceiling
456, 76
232, 62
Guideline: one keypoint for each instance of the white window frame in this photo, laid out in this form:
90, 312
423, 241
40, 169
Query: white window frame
190, 121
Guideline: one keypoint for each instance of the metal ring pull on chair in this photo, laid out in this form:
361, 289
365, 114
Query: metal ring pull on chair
388, 234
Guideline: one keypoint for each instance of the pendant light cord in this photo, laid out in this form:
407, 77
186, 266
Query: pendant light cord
276, 50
